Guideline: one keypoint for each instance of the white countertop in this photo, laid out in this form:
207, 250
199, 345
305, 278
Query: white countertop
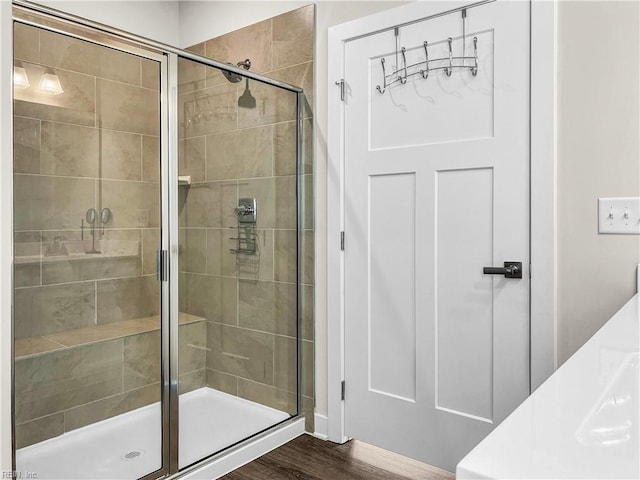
583, 422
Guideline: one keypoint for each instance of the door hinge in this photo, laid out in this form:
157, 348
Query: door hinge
162, 265
342, 390
529, 271
342, 241
340, 83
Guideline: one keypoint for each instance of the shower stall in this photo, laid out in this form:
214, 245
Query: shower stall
157, 235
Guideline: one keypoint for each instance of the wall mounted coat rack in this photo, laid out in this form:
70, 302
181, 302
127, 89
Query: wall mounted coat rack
428, 65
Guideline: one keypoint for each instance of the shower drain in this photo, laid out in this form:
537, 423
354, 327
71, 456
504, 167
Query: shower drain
132, 455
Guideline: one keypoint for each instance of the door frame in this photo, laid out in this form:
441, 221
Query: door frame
543, 119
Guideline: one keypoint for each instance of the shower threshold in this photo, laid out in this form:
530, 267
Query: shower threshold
129, 445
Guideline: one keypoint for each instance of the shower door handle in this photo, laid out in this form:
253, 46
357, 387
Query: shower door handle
510, 270
162, 266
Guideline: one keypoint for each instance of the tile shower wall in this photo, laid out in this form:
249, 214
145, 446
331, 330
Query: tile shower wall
87, 339
230, 152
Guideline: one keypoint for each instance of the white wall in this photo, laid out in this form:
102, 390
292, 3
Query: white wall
153, 19
598, 156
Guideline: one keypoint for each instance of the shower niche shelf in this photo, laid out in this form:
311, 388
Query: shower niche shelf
100, 333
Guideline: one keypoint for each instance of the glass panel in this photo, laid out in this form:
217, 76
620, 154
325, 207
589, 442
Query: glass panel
87, 226
238, 331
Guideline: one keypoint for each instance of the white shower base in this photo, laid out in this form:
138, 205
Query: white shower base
209, 421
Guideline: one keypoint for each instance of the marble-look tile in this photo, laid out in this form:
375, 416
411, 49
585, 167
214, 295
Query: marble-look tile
285, 363
69, 150
308, 410
285, 202
120, 155
127, 298
286, 257
27, 265
253, 42
273, 105
188, 382
81, 56
132, 204
222, 382
141, 360
214, 298
26, 145
150, 73
150, 246
293, 34
150, 159
192, 347
284, 148
268, 306
193, 250
47, 203
45, 384
197, 48
308, 197
111, 406
307, 309
26, 43
240, 352
208, 111
40, 429
26, 244
191, 75
220, 260
209, 204
127, 108
300, 76
285, 369
269, 396
191, 158
108, 331
95, 268
27, 275
34, 345
75, 105
308, 366
45, 310
240, 154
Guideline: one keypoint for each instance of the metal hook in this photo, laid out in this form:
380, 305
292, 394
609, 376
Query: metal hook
425, 72
384, 76
474, 69
403, 79
449, 70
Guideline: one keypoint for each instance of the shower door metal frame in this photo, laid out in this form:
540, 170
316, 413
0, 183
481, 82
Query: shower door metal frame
38, 16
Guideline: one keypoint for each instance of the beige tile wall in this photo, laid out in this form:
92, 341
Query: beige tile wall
230, 152
95, 145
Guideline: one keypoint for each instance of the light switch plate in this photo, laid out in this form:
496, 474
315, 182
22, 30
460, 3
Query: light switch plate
619, 215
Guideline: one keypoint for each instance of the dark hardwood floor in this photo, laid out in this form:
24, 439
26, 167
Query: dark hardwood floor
309, 458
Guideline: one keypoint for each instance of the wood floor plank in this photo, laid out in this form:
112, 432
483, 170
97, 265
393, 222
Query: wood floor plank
309, 458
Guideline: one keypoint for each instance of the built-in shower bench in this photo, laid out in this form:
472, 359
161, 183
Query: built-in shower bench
98, 333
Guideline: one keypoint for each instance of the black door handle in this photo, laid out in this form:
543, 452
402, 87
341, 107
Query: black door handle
510, 270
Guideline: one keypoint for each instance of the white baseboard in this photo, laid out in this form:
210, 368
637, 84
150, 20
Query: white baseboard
243, 455
321, 426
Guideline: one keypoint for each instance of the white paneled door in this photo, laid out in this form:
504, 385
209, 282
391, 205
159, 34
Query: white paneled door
436, 189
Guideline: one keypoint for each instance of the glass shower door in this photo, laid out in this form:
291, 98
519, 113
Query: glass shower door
238, 231
87, 226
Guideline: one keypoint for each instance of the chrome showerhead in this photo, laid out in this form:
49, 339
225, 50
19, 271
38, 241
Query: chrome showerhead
234, 77
247, 100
